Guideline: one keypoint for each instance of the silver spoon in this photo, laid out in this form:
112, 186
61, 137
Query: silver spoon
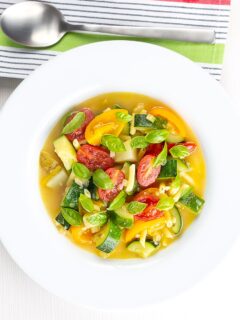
36, 24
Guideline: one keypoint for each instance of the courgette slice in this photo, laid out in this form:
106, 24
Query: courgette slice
93, 190
65, 151
71, 198
129, 155
59, 218
142, 121
169, 170
141, 251
178, 223
132, 181
192, 201
122, 217
108, 238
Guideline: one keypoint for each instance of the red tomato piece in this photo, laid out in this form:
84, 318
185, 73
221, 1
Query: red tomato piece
94, 157
79, 133
146, 173
150, 212
149, 199
117, 177
154, 149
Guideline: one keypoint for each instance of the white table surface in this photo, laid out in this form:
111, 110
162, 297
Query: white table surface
216, 297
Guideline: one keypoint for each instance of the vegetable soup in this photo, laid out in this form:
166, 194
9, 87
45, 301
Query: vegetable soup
122, 175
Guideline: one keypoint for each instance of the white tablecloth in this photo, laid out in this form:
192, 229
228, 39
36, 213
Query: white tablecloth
216, 297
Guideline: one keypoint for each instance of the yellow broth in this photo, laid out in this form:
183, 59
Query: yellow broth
52, 197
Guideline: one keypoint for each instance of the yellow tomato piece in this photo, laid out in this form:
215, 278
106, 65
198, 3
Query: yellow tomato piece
104, 123
168, 114
139, 226
81, 236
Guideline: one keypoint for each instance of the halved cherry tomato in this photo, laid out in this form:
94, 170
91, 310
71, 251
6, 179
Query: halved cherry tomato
150, 212
104, 123
94, 157
146, 173
117, 177
191, 146
79, 133
154, 149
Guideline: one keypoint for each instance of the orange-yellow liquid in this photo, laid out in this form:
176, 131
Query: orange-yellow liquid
52, 197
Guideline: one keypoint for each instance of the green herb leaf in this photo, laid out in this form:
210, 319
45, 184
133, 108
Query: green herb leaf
74, 124
102, 180
118, 201
113, 143
123, 117
72, 216
157, 136
166, 203
175, 185
81, 171
95, 219
139, 142
180, 152
135, 207
86, 203
161, 159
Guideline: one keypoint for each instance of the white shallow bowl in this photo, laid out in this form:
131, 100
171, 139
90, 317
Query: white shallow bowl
26, 229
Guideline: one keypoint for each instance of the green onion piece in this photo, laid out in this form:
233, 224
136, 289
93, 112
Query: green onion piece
72, 216
123, 116
161, 159
86, 203
118, 201
157, 136
136, 207
113, 143
81, 171
139, 142
180, 152
75, 123
166, 203
102, 180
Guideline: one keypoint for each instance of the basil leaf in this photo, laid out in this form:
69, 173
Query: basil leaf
118, 201
123, 116
95, 219
86, 203
161, 159
165, 203
139, 142
136, 207
180, 152
102, 180
113, 143
72, 216
81, 171
157, 136
75, 123
66, 116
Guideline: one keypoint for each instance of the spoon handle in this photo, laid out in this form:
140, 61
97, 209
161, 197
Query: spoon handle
182, 34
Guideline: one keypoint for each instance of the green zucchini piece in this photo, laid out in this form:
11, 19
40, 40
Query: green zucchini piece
143, 252
129, 155
177, 226
192, 201
71, 198
92, 220
108, 238
132, 181
122, 217
65, 151
93, 190
142, 121
59, 218
169, 170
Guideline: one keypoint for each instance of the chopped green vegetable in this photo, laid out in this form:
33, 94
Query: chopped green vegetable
169, 170
165, 204
175, 185
113, 143
75, 123
129, 155
161, 159
180, 152
192, 201
97, 219
178, 223
118, 201
65, 151
102, 180
86, 203
71, 198
174, 138
72, 216
142, 121
136, 207
122, 217
108, 238
123, 116
182, 166
144, 252
139, 142
157, 136
93, 190
81, 171
62, 221
132, 184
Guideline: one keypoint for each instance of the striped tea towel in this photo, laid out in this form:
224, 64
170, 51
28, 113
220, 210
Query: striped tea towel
18, 62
